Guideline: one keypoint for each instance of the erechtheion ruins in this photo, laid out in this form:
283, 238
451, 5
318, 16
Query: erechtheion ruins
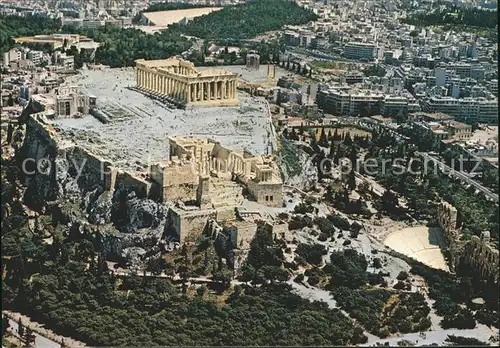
178, 81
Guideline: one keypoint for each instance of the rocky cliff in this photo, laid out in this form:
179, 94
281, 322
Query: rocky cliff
69, 181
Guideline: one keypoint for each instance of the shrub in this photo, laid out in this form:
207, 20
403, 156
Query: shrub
340, 222
299, 278
312, 253
299, 222
402, 275
303, 208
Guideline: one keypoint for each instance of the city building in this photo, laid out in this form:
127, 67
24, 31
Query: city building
360, 50
467, 110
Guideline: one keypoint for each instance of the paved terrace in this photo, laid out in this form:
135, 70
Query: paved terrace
139, 126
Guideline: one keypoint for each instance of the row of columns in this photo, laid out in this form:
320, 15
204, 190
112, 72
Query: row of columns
188, 92
182, 70
234, 165
213, 90
162, 84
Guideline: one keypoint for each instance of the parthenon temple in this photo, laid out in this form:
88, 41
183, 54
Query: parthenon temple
178, 81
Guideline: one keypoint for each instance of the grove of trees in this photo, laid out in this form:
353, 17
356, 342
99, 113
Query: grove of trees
248, 20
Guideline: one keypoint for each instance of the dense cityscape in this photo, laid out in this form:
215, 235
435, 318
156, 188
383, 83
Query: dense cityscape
249, 173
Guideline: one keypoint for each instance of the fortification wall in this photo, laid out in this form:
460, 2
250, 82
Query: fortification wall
478, 255
67, 158
481, 257
189, 225
447, 218
183, 192
141, 186
280, 230
242, 234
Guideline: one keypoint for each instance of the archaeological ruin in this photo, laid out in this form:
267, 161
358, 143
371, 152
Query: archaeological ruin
198, 167
478, 254
179, 82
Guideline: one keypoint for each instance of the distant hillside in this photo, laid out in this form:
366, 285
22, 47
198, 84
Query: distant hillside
248, 20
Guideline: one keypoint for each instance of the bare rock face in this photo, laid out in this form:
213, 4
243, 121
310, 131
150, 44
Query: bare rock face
133, 255
145, 213
117, 219
100, 208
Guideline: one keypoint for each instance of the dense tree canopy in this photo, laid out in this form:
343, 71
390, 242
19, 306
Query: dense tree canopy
12, 26
248, 20
457, 15
121, 47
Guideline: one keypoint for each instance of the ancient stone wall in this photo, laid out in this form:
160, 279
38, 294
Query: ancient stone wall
67, 159
189, 225
242, 234
141, 186
177, 180
279, 230
447, 218
480, 256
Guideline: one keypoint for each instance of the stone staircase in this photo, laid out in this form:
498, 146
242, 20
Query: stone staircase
223, 193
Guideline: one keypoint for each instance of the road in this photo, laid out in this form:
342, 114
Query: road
44, 338
460, 175
40, 341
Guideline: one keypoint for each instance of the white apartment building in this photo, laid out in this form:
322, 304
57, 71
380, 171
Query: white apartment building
35, 57
345, 101
67, 62
468, 110
360, 50
443, 76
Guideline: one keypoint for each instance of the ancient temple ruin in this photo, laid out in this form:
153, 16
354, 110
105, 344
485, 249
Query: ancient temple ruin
202, 170
179, 82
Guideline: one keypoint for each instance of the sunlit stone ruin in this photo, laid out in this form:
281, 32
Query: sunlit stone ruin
177, 81
202, 170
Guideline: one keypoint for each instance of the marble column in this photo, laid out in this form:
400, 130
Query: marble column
202, 85
209, 90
